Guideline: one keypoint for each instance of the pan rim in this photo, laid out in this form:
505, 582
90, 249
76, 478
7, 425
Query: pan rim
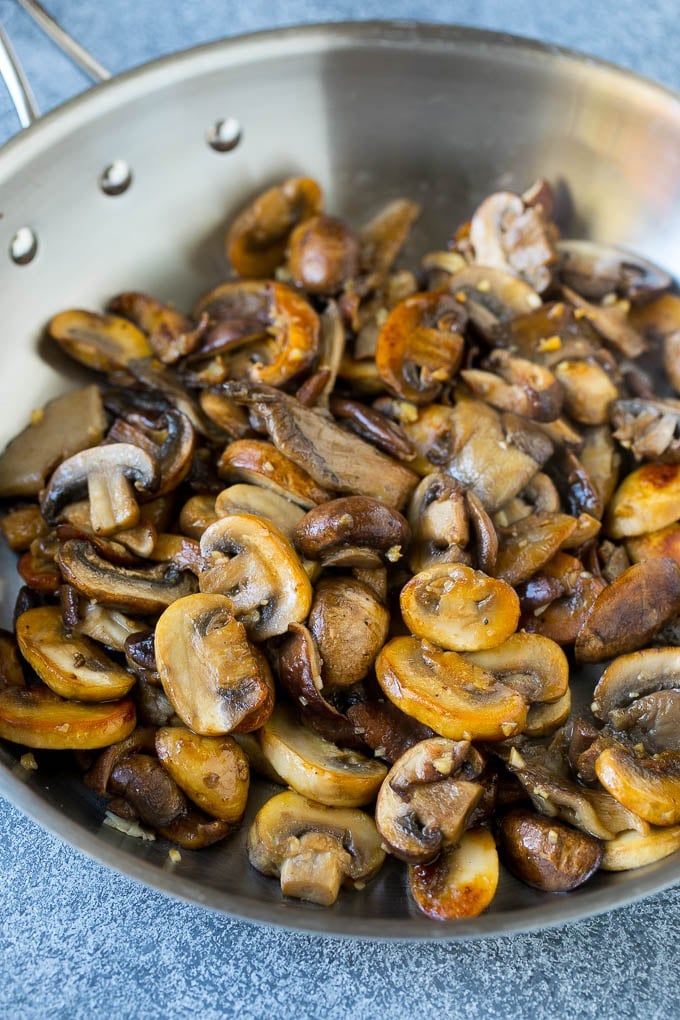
155, 75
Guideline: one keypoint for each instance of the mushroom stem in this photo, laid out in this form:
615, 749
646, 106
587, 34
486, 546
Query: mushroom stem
112, 502
315, 868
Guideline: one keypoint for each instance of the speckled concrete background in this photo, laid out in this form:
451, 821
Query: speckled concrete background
77, 940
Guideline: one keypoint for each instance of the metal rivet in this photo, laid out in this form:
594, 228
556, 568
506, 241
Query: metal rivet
115, 178
224, 135
23, 247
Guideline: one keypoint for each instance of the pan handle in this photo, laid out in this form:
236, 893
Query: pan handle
13, 74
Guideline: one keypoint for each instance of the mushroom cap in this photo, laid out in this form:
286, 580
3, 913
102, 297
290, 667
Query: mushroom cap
547, 854
350, 625
252, 563
212, 771
632, 849
350, 521
631, 676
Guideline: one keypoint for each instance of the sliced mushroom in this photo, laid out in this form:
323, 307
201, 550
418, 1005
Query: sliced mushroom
385, 729
141, 590
530, 664
20, 527
438, 517
168, 438
212, 771
630, 611
352, 522
492, 297
612, 322
544, 718
651, 721
570, 592
650, 429
11, 669
334, 458
315, 767
193, 831
350, 626
647, 499
373, 426
252, 499
463, 880
313, 849
664, 543
530, 543
630, 677
323, 254
257, 462
649, 787
257, 239
251, 562
425, 802
66, 425
36, 717
107, 474
459, 608
515, 384
601, 460
588, 390
631, 850
546, 854
38, 570
506, 234
103, 342
170, 333
447, 693
420, 345
72, 665
596, 270
283, 315
224, 413
196, 515
148, 788
216, 681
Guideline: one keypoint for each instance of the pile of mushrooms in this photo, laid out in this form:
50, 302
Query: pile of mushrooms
354, 526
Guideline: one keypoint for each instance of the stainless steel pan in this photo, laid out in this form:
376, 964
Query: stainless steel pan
373, 110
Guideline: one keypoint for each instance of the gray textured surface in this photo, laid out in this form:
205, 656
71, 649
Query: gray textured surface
80, 941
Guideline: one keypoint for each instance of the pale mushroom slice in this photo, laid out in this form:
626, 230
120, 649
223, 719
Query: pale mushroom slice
212, 771
646, 500
103, 342
632, 849
36, 717
492, 296
647, 786
314, 849
71, 422
459, 608
446, 692
507, 234
547, 854
630, 610
633, 676
588, 390
70, 664
109, 475
596, 270
252, 499
429, 794
463, 880
544, 718
252, 564
350, 626
510, 383
141, 590
530, 664
439, 520
216, 681
315, 767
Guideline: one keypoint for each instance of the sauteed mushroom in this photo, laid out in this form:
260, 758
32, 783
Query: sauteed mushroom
545, 853
350, 626
103, 342
463, 880
323, 254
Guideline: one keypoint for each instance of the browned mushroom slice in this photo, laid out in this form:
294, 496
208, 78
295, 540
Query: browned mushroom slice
630, 611
383, 237
632, 676
373, 426
252, 499
184, 553
646, 500
109, 475
195, 831
142, 590
631, 850
446, 692
650, 787
506, 234
420, 345
438, 517
168, 438
459, 608
425, 802
103, 342
463, 880
601, 460
314, 849
652, 721
352, 522
334, 458
196, 515
257, 239
530, 664
251, 562
650, 429
36, 717
72, 665
215, 679
588, 390
148, 788
212, 771
66, 425
317, 768
612, 322
106, 626
528, 545
224, 413
323, 254
492, 297
665, 543
596, 270
546, 854
170, 333
514, 384
350, 626
561, 614
579, 494
388, 731
20, 527
593, 811
260, 463
11, 668
288, 319
544, 718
